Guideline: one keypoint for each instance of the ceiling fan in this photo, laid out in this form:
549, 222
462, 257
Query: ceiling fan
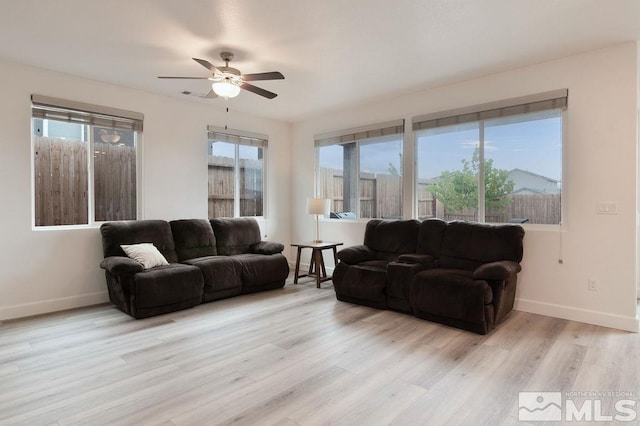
228, 81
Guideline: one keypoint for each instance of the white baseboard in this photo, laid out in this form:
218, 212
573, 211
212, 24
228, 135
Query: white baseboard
52, 305
581, 315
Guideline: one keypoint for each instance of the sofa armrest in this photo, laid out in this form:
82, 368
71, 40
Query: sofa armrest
266, 247
118, 265
356, 254
496, 271
426, 260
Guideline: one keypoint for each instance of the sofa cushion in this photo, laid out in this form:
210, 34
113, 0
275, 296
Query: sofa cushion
497, 271
146, 254
381, 264
356, 254
450, 293
222, 276
167, 285
267, 247
390, 238
193, 238
260, 269
427, 260
430, 236
468, 245
361, 284
235, 235
157, 232
118, 265
399, 278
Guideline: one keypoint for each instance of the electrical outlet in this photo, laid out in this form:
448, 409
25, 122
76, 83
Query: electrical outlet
592, 285
607, 207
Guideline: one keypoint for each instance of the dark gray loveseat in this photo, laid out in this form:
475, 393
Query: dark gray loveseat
202, 266
458, 273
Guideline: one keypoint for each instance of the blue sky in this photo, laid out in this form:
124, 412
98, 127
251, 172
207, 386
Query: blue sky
225, 149
534, 145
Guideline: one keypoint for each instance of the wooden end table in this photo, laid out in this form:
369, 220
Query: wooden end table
316, 266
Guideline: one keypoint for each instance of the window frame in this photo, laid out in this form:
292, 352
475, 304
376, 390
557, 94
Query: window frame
488, 110
245, 138
357, 137
89, 116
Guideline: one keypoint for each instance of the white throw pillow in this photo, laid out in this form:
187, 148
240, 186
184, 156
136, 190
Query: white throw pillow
145, 253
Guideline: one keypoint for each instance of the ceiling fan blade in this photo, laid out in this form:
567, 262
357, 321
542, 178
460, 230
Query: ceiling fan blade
209, 95
207, 65
273, 75
258, 90
189, 78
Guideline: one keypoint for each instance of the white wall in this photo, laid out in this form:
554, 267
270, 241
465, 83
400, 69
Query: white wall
44, 271
600, 165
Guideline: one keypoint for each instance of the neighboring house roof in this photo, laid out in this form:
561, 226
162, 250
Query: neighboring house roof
526, 182
533, 174
525, 190
429, 181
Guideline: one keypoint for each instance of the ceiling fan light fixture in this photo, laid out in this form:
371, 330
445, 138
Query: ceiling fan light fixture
225, 89
109, 137
228, 81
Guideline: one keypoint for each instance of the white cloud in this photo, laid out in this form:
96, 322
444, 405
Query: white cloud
473, 144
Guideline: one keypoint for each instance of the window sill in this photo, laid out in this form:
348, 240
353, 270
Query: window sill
65, 227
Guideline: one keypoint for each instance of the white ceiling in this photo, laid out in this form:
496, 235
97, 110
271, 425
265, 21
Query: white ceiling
333, 53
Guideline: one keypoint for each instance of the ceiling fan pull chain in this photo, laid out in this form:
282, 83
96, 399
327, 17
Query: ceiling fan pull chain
226, 118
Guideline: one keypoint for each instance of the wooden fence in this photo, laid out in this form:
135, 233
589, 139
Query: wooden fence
114, 180
222, 183
381, 197
536, 208
62, 181
380, 194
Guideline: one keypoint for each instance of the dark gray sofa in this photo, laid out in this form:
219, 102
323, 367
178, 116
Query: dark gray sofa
361, 275
202, 268
143, 292
263, 267
459, 273
196, 245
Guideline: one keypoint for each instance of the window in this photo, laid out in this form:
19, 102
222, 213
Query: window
84, 162
494, 163
236, 173
360, 171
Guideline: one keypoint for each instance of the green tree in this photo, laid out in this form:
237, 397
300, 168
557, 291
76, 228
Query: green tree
393, 170
458, 189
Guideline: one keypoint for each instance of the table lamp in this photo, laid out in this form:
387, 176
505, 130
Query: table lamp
318, 206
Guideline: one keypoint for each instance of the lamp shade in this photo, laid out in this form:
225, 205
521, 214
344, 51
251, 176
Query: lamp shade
225, 89
319, 206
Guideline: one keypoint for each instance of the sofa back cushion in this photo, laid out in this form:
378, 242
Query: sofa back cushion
193, 238
235, 235
468, 245
157, 232
430, 236
391, 238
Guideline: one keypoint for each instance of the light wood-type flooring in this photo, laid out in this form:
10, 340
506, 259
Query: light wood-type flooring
296, 357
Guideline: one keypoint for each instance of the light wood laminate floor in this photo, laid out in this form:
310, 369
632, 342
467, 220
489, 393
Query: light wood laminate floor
295, 357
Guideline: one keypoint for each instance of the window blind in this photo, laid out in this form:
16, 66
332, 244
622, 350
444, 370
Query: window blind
556, 99
237, 136
46, 107
378, 130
